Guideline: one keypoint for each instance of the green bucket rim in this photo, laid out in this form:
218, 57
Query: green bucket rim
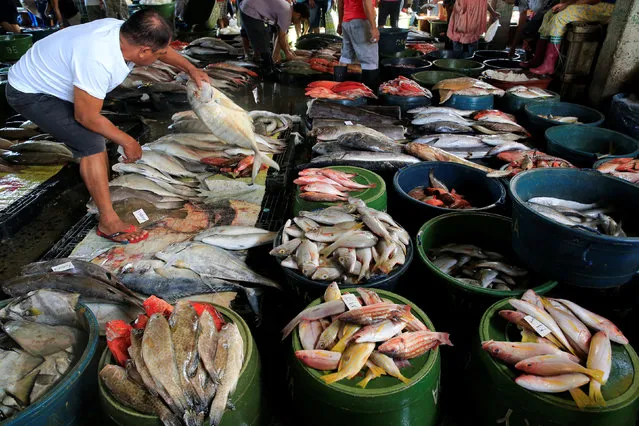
613, 404
228, 314
545, 287
11, 37
418, 76
431, 361
361, 173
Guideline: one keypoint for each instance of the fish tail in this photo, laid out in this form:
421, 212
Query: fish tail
403, 379
444, 339
362, 383
554, 340
581, 399
598, 375
595, 394
334, 377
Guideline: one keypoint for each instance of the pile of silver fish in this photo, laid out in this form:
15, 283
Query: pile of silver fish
231, 75
39, 342
349, 242
558, 353
182, 369
374, 333
529, 92
465, 86
23, 143
592, 217
327, 185
480, 268
209, 49
566, 119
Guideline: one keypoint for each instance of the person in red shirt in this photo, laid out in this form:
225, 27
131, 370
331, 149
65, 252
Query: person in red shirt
358, 28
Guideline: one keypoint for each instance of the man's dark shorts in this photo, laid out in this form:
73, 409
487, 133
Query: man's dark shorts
57, 118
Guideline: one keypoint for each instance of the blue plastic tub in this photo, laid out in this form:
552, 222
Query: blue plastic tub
308, 290
570, 255
350, 102
65, 403
470, 102
488, 195
513, 104
537, 125
583, 145
405, 102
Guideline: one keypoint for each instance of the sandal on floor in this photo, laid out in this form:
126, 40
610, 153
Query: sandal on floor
131, 229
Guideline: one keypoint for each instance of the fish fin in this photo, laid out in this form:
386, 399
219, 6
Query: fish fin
291, 325
581, 399
334, 377
362, 383
528, 336
595, 394
554, 341
445, 339
378, 371
598, 375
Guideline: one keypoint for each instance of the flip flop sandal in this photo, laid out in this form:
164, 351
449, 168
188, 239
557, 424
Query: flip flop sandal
131, 229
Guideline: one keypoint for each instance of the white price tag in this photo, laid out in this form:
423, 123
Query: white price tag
351, 302
62, 267
541, 329
140, 215
348, 123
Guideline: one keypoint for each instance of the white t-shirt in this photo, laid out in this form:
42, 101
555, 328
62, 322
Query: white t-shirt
86, 56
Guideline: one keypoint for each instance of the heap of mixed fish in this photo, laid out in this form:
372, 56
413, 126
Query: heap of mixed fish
23, 143
520, 161
623, 168
182, 366
529, 92
474, 266
558, 353
40, 339
438, 195
465, 86
334, 90
209, 49
402, 86
327, 185
423, 48
231, 75
591, 217
369, 332
350, 243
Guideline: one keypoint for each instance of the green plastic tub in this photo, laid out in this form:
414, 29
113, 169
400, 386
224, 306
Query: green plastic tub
513, 104
430, 78
495, 393
464, 66
385, 401
584, 145
247, 397
13, 46
537, 125
64, 403
375, 198
449, 296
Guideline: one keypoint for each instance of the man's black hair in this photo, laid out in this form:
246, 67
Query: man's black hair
302, 9
146, 27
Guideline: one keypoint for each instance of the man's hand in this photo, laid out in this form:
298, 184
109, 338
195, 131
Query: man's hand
339, 29
374, 34
132, 151
198, 76
290, 55
559, 7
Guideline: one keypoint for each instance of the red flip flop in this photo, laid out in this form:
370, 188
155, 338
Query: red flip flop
131, 229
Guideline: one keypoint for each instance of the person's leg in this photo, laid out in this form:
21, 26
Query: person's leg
348, 53
258, 35
367, 53
394, 13
472, 47
314, 18
56, 117
458, 47
382, 14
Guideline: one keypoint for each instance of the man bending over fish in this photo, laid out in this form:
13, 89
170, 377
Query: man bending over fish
61, 82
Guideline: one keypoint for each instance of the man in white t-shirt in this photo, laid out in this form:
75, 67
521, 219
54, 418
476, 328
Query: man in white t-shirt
61, 82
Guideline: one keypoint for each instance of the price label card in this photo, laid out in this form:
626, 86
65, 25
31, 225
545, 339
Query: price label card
62, 267
348, 123
141, 216
351, 302
541, 329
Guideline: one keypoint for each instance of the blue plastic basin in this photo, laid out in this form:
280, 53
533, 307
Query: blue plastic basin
584, 145
65, 403
576, 256
537, 125
470, 102
485, 193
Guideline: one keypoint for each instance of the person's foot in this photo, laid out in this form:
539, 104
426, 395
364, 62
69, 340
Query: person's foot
121, 232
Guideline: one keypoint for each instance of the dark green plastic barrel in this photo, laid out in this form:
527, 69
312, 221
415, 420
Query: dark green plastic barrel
13, 46
374, 198
572, 255
430, 78
386, 401
307, 289
537, 125
392, 40
247, 397
490, 232
584, 145
447, 54
65, 403
494, 393
464, 66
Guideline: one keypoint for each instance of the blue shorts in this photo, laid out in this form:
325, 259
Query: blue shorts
321, 7
356, 43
